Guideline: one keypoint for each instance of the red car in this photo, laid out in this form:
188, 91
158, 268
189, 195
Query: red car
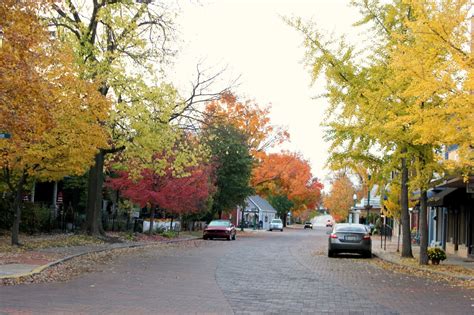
220, 229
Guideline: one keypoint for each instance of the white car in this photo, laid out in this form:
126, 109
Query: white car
276, 224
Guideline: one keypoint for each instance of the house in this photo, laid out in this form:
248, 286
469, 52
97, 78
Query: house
451, 216
368, 207
256, 209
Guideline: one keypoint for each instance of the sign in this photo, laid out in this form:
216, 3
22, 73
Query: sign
470, 188
5, 135
135, 214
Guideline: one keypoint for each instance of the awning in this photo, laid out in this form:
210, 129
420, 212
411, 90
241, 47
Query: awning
438, 199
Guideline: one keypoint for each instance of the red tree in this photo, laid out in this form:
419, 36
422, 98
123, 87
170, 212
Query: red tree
177, 195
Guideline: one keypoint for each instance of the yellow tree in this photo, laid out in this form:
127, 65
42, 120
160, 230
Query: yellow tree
373, 107
432, 59
437, 68
51, 114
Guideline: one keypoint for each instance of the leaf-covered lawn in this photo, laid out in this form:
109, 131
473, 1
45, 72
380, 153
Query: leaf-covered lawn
33, 242
410, 266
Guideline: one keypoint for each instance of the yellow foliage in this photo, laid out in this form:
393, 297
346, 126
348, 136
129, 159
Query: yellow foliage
53, 115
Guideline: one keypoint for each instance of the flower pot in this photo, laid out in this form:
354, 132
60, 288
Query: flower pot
435, 261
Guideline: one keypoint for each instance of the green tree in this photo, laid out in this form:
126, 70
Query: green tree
230, 152
122, 45
282, 205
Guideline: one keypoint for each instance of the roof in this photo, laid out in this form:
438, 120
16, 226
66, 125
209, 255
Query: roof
438, 199
374, 199
260, 203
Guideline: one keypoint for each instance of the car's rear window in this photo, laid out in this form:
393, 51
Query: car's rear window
350, 228
219, 223
276, 221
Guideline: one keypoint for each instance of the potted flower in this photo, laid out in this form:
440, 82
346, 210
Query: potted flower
436, 254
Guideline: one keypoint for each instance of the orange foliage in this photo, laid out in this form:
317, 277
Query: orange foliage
52, 115
249, 118
290, 175
340, 198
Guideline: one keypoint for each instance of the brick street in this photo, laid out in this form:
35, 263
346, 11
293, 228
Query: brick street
269, 272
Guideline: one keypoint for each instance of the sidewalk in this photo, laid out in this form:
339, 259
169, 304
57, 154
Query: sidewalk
453, 266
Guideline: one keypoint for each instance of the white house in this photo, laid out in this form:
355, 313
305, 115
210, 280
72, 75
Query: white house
256, 209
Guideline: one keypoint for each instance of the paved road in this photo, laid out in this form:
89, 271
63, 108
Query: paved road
271, 272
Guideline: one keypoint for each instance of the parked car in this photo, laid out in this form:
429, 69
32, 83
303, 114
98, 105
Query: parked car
329, 223
276, 224
350, 238
220, 229
308, 225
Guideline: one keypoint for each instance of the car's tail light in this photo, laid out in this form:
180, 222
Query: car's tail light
333, 235
366, 237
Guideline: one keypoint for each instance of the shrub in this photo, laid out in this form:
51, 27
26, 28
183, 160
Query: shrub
169, 234
35, 218
436, 253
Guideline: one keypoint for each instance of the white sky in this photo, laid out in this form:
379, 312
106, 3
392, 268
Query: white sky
249, 37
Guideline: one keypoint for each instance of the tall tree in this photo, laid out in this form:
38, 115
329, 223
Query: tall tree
51, 113
391, 100
436, 68
250, 119
122, 45
230, 152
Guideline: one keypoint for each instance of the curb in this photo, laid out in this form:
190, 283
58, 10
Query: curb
460, 277
40, 269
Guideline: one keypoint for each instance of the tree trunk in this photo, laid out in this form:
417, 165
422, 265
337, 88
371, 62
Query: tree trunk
171, 223
423, 227
17, 207
220, 214
94, 196
399, 234
152, 219
406, 239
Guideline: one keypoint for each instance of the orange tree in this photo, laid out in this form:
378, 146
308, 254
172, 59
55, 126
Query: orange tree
287, 174
248, 118
339, 200
51, 114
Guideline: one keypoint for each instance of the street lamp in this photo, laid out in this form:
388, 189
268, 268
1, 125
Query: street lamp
368, 199
354, 197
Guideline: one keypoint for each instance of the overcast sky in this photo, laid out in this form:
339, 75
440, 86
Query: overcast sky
250, 38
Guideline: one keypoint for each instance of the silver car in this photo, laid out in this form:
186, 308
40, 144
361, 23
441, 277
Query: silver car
350, 238
276, 224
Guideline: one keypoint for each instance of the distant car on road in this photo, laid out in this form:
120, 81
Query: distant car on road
276, 224
308, 225
350, 238
329, 223
220, 229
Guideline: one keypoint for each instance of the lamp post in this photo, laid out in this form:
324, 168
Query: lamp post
368, 199
354, 218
